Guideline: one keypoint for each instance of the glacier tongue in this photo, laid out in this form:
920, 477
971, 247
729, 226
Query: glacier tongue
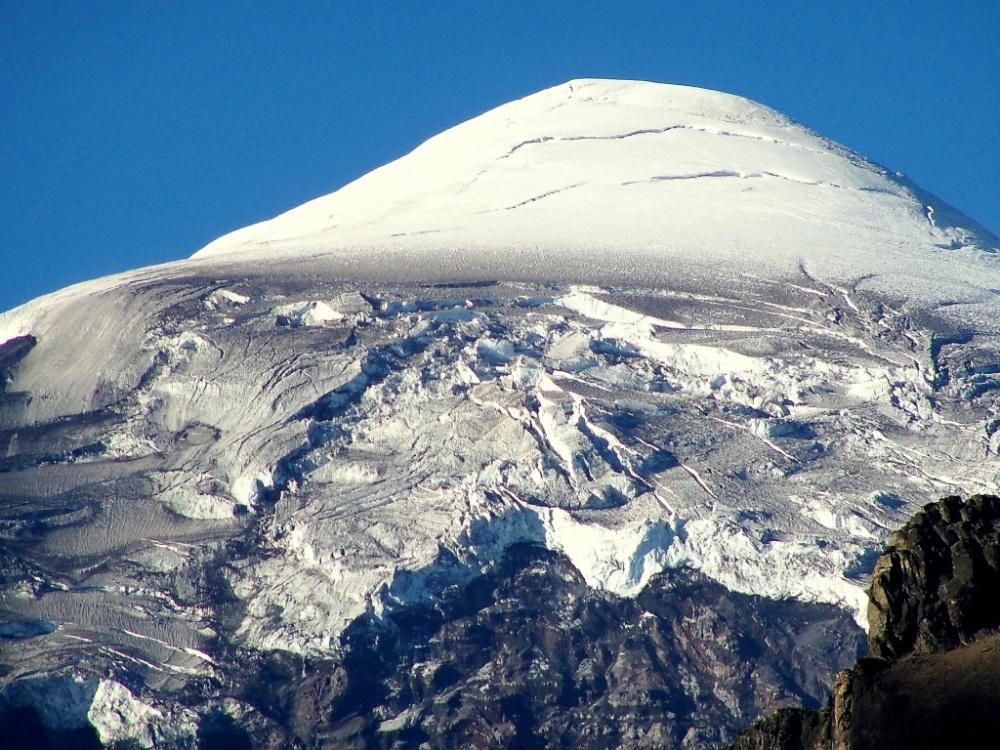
643, 453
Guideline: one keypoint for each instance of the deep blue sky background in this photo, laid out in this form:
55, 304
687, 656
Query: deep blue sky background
134, 133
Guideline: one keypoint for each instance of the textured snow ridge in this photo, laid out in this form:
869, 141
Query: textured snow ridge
645, 325
769, 436
601, 434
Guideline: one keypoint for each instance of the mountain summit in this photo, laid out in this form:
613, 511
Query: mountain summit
587, 419
616, 180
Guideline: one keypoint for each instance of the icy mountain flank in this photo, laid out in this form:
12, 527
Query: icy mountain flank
644, 326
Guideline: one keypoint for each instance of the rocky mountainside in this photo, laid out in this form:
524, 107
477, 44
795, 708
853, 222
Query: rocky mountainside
934, 588
530, 656
526, 656
609, 396
932, 677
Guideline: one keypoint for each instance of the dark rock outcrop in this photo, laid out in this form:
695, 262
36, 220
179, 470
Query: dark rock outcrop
788, 728
529, 656
936, 585
13, 351
932, 679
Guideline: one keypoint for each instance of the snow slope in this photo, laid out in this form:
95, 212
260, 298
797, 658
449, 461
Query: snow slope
645, 325
638, 182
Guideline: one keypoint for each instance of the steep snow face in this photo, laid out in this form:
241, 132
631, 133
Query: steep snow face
645, 325
641, 182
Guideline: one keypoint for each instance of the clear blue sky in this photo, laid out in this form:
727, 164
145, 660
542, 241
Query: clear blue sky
134, 133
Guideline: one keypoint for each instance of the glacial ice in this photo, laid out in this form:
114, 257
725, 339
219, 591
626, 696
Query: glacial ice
647, 326
72, 702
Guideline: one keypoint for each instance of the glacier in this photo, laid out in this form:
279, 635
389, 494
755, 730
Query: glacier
646, 326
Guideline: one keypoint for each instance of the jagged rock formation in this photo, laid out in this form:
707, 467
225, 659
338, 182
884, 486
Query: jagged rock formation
933, 677
936, 586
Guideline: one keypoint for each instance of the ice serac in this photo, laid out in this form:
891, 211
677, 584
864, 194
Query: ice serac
640, 327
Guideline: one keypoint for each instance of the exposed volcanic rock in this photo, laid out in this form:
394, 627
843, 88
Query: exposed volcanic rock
530, 656
936, 585
933, 679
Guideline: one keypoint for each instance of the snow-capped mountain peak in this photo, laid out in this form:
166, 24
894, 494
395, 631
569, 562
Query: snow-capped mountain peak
639, 327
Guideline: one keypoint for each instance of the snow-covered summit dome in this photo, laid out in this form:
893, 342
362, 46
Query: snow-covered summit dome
631, 176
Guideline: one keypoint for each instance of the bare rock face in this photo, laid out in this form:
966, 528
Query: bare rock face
528, 656
933, 676
787, 728
935, 586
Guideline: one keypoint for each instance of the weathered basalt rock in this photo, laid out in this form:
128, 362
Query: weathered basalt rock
932, 679
530, 656
935, 586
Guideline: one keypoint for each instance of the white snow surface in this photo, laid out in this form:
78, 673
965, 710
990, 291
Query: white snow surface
645, 325
655, 181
